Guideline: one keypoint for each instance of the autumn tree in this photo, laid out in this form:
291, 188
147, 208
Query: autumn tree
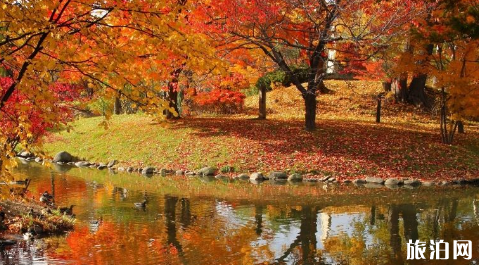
452, 56
107, 45
311, 27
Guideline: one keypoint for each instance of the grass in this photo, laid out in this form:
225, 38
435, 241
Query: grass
347, 144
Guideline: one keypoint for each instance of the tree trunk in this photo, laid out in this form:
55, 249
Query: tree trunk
416, 91
387, 86
173, 89
117, 109
402, 95
460, 127
262, 103
310, 111
173, 99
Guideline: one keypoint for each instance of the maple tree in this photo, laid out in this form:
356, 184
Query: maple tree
106, 45
450, 54
310, 27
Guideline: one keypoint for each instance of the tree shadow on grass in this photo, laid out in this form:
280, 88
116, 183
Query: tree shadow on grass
338, 146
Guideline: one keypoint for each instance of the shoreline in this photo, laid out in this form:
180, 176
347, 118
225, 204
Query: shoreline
255, 177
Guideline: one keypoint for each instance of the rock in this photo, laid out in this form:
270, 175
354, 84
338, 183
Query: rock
278, 175
243, 176
460, 181
374, 180
359, 181
295, 177
428, 183
71, 163
412, 182
102, 166
93, 166
331, 179
221, 177
121, 169
179, 172
164, 172
207, 171
38, 160
82, 164
63, 156
190, 173
130, 169
392, 182
311, 180
347, 181
148, 170
323, 179
111, 163
258, 176
25, 154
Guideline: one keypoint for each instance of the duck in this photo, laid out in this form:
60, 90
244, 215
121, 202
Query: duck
140, 204
95, 225
67, 210
46, 197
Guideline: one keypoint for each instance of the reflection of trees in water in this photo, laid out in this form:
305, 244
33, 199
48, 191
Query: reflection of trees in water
306, 239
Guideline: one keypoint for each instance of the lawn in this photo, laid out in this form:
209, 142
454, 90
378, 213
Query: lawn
348, 143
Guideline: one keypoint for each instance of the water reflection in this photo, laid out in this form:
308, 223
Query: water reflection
193, 222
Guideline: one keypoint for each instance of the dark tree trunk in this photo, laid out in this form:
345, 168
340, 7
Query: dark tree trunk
416, 91
401, 96
387, 86
417, 88
173, 99
117, 109
262, 103
460, 127
310, 111
173, 89
378, 111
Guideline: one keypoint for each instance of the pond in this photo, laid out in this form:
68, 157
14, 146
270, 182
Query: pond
204, 221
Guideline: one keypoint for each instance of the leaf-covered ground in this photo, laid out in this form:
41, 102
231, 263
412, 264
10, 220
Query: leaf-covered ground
347, 144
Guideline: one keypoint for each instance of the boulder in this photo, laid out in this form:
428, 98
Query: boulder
221, 177
190, 173
148, 170
25, 154
130, 169
121, 169
359, 181
243, 177
278, 175
257, 176
102, 166
374, 180
38, 160
179, 172
112, 163
412, 182
207, 171
392, 182
63, 156
164, 172
295, 177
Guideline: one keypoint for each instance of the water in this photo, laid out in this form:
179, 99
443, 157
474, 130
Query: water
202, 221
